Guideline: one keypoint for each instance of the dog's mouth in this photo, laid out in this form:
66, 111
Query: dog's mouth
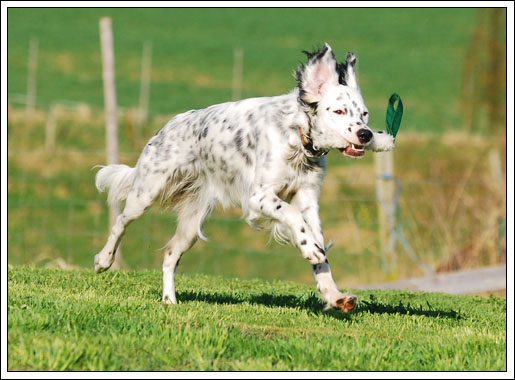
353, 151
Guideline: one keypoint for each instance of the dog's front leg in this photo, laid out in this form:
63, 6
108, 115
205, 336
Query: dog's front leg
307, 202
269, 205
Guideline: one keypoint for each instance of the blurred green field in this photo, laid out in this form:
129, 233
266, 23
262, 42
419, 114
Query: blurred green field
56, 217
416, 52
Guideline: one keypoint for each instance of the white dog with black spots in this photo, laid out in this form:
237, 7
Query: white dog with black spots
265, 155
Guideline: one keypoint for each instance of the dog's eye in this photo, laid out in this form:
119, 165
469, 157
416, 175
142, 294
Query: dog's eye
365, 114
340, 112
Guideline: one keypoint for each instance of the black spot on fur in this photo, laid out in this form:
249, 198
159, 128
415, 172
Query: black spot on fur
177, 263
320, 249
238, 139
302, 229
278, 207
303, 242
247, 158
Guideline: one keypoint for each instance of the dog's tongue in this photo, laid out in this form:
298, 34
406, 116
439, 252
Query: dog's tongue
353, 151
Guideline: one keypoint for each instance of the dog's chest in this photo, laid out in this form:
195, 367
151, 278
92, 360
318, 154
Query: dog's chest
296, 172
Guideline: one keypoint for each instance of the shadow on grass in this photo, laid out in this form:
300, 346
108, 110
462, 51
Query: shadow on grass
310, 301
314, 304
375, 307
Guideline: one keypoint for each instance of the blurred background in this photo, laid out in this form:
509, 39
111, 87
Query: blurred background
446, 198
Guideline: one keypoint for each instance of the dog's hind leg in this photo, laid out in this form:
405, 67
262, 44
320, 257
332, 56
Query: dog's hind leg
143, 191
189, 221
134, 207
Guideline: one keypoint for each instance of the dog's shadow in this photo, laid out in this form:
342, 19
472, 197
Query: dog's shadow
315, 305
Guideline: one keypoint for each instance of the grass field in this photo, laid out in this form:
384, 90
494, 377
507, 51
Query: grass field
76, 320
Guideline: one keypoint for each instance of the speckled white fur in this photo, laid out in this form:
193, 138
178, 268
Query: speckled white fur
250, 154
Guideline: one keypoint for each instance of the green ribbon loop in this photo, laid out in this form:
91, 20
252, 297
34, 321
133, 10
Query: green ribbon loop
394, 115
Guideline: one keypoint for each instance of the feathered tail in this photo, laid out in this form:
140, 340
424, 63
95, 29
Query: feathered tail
117, 180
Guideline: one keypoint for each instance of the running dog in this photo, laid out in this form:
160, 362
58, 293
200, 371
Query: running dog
265, 155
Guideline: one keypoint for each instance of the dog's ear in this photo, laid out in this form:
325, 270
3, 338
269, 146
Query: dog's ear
317, 74
347, 75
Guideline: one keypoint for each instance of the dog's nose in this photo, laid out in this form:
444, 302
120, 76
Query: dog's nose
364, 135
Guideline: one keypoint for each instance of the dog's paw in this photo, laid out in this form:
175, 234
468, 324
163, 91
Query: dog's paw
101, 263
347, 303
316, 256
169, 300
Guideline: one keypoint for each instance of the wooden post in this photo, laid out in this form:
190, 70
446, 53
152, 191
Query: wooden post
237, 74
106, 41
31, 76
385, 193
51, 125
146, 69
497, 212
496, 169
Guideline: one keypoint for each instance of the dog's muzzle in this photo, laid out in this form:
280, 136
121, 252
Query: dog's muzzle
353, 151
364, 135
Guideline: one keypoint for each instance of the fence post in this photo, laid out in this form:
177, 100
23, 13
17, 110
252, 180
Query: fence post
50, 128
146, 69
31, 76
497, 214
237, 74
106, 40
385, 194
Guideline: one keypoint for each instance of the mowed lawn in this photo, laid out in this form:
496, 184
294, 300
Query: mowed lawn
76, 320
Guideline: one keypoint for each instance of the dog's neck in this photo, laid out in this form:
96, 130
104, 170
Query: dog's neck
307, 144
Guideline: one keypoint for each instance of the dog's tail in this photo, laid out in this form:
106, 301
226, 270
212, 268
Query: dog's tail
117, 180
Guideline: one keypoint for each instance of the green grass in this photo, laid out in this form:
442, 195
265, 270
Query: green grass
417, 53
76, 320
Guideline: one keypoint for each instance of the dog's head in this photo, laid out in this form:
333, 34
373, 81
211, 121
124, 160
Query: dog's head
330, 93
